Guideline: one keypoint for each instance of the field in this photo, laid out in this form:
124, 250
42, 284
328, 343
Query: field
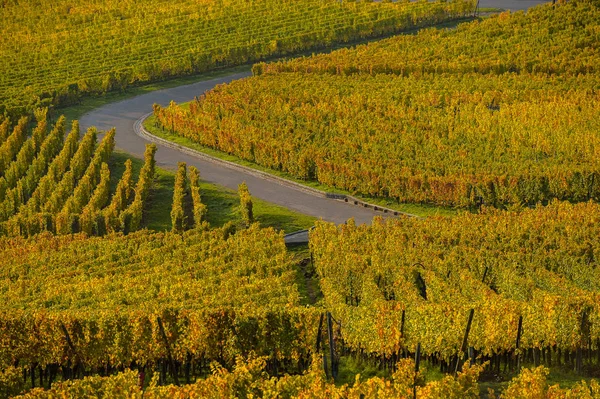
62, 185
124, 277
400, 278
57, 53
388, 119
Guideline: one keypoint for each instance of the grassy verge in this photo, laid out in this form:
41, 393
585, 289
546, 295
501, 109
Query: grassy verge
307, 279
222, 203
415, 209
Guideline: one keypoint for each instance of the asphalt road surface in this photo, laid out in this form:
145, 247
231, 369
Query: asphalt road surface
513, 5
124, 114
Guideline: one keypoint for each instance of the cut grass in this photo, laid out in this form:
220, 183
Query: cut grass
222, 203
415, 209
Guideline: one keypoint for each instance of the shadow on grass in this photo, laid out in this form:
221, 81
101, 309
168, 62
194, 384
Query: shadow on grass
222, 203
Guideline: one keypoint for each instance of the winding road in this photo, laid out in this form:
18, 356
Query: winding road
124, 114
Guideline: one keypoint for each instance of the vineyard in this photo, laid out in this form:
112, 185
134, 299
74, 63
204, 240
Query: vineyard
499, 112
169, 305
56, 53
529, 277
149, 300
58, 182
248, 380
122, 279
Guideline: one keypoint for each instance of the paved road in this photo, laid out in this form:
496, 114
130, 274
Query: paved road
124, 114
513, 5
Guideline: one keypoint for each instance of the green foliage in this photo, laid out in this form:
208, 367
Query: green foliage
538, 264
198, 208
532, 384
208, 36
438, 127
4, 129
90, 215
17, 168
245, 204
179, 221
249, 379
48, 183
13, 143
20, 193
11, 381
549, 39
63, 186
131, 218
80, 161
218, 297
120, 200
40, 131
67, 220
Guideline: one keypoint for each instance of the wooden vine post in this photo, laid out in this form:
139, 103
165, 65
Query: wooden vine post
331, 346
463, 346
519, 332
168, 347
71, 346
417, 365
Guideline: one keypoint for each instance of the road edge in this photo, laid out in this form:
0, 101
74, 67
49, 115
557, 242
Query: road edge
139, 130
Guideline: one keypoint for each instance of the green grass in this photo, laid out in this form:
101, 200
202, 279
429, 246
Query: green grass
307, 279
350, 367
415, 209
222, 203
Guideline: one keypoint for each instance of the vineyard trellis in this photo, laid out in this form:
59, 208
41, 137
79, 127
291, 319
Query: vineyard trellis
60, 52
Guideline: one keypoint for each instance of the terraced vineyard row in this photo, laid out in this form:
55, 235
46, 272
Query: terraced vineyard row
149, 300
248, 379
441, 126
61, 185
553, 40
437, 139
57, 52
402, 282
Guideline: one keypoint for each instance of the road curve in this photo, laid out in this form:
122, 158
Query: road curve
512, 5
124, 114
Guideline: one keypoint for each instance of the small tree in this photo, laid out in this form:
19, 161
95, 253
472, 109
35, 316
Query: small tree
245, 204
198, 208
178, 216
131, 218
